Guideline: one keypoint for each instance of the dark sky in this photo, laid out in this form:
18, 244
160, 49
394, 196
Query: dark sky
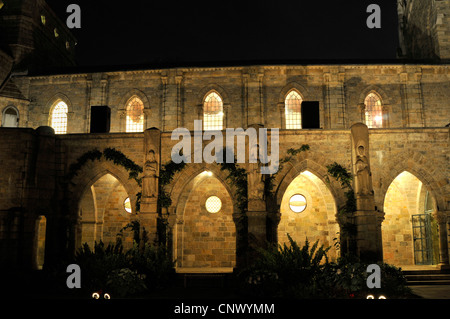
131, 32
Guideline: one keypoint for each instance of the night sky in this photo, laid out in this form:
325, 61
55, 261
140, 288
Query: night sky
131, 32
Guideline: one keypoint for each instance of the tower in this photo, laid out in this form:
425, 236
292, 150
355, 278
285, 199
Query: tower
424, 29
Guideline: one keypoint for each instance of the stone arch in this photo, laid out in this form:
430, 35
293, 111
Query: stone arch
317, 221
416, 164
203, 92
316, 164
90, 173
181, 179
385, 99
200, 238
302, 91
404, 206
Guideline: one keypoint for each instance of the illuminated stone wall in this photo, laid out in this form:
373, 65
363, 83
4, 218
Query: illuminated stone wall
207, 239
316, 222
400, 204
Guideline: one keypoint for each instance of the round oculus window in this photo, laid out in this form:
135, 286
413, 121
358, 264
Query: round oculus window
297, 203
213, 204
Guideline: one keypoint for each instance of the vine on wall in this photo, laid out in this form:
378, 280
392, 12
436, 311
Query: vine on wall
115, 156
269, 181
345, 212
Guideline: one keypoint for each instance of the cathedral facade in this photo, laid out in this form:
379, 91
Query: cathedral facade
84, 154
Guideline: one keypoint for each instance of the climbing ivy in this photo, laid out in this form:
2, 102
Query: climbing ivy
345, 212
237, 176
166, 174
269, 180
110, 154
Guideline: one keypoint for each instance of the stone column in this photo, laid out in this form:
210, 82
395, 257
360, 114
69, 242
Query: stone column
367, 219
256, 207
442, 219
149, 197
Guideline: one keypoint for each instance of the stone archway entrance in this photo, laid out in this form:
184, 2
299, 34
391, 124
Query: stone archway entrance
308, 211
409, 230
205, 231
103, 211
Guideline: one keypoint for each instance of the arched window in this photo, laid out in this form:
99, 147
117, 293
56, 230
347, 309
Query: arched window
58, 119
213, 112
135, 115
292, 109
10, 117
373, 111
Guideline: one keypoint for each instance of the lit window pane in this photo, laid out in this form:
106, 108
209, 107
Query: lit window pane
213, 112
293, 105
59, 118
135, 115
213, 204
373, 113
297, 203
127, 205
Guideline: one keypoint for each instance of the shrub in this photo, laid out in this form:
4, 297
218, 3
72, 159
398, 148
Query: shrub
305, 272
286, 271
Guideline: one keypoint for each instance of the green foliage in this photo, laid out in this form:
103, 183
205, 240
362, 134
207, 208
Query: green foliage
341, 174
348, 228
142, 268
166, 174
125, 282
269, 180
287, 271
291, 271
110, 154
347, 278
237, 176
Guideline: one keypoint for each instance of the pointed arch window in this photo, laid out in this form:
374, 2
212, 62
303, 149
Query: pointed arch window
373, 111
213, 112
135, 115
58, 119
293, 103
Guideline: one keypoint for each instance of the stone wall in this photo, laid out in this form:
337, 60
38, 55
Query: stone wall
207, 239
412, 95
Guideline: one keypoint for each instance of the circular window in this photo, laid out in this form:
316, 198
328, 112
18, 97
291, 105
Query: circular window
297, 203
127, 205
213, 204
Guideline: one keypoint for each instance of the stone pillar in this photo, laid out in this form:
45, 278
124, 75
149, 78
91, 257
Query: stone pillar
367, 219
442, 219
335, 99
256, 207
149, 197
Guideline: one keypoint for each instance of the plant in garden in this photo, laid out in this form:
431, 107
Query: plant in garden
286, 270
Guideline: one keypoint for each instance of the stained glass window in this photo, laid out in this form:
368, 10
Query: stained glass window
373, 111
293, 116
213, 112
59, 118
135, 115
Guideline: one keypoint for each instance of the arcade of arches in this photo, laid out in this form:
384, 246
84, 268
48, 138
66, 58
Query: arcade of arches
204, 233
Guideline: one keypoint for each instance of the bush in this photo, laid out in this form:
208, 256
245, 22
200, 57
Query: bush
286, 271
305, 272
123, 274
347, 278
